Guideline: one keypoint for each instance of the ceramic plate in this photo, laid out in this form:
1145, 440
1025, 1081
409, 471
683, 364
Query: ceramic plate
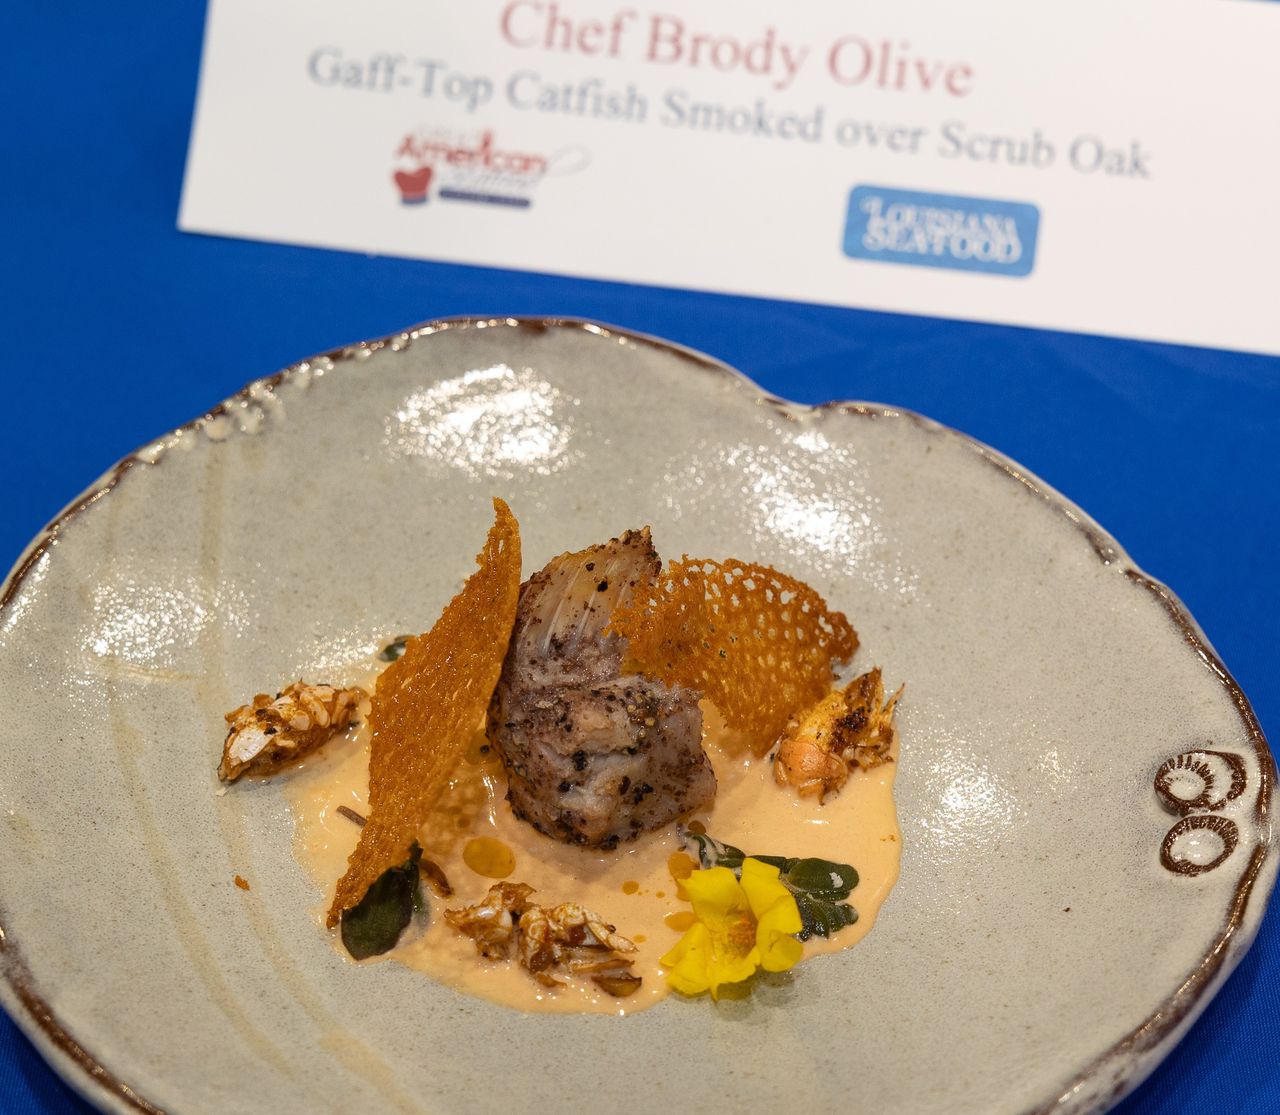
1083, 791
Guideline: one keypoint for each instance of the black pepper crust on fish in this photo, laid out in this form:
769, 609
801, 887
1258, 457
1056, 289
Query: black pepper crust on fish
593, 757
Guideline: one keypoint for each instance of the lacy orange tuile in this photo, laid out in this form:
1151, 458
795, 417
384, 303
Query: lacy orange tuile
426, 707
758, 644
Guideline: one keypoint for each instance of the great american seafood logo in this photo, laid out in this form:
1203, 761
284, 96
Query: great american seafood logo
474, 167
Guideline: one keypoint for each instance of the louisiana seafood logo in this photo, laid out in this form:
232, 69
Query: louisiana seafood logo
473, 167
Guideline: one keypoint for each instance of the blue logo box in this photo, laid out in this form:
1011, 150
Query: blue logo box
941, 230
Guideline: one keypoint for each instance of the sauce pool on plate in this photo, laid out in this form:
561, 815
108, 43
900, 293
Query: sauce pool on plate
474, 837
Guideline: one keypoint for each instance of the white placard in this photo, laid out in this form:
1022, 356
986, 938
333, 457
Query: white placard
1109, 167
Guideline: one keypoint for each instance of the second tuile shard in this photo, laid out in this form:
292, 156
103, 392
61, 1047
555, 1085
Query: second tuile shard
757, 643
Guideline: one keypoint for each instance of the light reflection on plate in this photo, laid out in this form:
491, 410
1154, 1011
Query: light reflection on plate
490, 422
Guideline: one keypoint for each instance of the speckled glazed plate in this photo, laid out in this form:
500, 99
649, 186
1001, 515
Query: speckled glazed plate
1068, 902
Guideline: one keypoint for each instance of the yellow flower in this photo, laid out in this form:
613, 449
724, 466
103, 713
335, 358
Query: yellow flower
741, 926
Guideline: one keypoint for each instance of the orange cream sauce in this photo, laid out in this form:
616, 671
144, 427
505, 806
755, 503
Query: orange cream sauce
631, 887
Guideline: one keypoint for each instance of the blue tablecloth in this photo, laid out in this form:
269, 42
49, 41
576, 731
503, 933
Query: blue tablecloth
116, 327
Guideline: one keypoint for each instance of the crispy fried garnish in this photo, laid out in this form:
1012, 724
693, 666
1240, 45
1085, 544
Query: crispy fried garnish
493, 923
758, 644
550, 942
426, 708
268, 734
850, 727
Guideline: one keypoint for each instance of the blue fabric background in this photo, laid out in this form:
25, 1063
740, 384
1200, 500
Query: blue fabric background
116, 327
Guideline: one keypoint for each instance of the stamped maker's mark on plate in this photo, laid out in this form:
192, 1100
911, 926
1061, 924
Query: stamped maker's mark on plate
1195, 785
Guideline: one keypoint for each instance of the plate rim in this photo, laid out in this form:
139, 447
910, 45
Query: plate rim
97, 1084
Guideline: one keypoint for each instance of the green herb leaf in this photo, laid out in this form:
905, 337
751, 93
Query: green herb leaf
374, 924
820, 877
394, 649
820, 886
712, 853
822, 917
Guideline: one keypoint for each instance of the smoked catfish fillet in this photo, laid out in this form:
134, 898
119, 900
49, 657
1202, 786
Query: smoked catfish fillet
593, 756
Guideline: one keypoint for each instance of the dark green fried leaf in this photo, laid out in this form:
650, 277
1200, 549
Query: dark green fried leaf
394, 649
374, 924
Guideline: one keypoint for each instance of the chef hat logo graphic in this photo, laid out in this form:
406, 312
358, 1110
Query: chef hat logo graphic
413, 185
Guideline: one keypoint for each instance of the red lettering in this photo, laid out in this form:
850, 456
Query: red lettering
725, 54
850, 60
928, 72
883, 69
900, 73
615, 29
556, 24
696, 43
482, 154
667, 32
508, 13
958, 74
526, 164
589, 34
